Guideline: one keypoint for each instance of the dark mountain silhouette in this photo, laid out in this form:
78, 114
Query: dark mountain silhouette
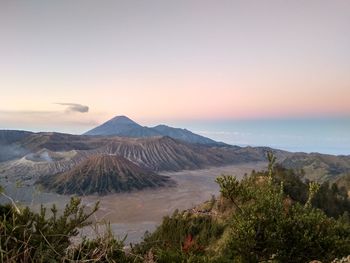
183, 135
103, 174
125, 127
122, 126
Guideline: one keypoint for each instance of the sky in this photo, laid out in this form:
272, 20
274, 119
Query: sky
70, 65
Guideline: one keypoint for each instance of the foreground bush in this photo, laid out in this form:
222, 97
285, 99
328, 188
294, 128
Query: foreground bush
26, 236
104, 249
266, 217
269, 226
270, 216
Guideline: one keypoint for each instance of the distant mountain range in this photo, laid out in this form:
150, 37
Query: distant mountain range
59, 159
52, 153
125, 127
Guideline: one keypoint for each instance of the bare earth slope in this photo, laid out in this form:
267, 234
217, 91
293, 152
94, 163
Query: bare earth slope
167, 154
43, 162
40, 154
103, 174
8, 147
51, 153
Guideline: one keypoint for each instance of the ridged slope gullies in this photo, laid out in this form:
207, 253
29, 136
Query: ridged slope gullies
167, 154
103, 174
156, 154
44, 162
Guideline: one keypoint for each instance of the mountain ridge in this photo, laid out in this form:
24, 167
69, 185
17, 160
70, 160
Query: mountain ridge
125, 127
57, 153
121, 126
32, 155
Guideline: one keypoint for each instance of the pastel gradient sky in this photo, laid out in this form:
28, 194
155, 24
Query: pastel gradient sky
171, 61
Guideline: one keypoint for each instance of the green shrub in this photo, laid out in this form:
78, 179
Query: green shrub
26, 236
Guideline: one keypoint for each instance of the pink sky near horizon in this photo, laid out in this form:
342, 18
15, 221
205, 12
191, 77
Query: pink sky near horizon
163, 61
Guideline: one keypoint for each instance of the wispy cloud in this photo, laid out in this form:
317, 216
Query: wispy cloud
60, 121
74, 107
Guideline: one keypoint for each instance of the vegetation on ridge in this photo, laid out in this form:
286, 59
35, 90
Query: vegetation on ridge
269, 216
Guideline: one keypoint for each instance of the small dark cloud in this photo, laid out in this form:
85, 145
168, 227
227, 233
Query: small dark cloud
75, 107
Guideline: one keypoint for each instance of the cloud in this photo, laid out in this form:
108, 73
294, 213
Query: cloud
74, 107
58, 121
